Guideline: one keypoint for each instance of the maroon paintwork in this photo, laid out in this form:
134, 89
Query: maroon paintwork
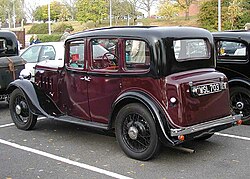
94, 101
92, 95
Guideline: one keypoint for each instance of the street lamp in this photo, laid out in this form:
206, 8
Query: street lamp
49, 18
110, 13
219, 15
14, 15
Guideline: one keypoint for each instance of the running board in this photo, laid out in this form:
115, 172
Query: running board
82, 122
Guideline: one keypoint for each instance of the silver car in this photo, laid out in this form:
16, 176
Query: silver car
48, 51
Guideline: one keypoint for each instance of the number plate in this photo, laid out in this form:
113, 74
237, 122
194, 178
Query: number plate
201, 90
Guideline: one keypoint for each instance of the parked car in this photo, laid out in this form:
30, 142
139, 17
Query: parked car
234, 61
41, 52
10, 64
141, 87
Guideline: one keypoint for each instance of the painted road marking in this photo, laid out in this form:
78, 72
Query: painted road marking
12, 124
7, 125
64, 160
232, 136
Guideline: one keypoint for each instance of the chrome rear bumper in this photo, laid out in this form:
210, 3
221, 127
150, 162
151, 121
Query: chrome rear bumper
232, 119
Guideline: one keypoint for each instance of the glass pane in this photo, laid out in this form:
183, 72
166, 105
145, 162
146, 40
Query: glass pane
105, 54
31, 55
47, 53
229, 48
137, 55
187, 49
76, 54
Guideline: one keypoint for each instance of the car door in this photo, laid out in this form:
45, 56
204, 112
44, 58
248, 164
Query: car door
104, 83
75, 86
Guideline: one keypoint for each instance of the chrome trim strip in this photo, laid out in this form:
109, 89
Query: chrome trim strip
206, 125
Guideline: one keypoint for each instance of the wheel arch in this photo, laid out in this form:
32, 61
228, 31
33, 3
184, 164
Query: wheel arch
39, 103
239, 82
154, 109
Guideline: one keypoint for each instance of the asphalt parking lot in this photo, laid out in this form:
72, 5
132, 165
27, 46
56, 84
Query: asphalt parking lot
61, 150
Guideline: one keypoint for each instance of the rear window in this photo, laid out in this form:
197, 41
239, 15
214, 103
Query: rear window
191, 49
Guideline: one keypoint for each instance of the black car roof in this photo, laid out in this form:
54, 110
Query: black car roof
147, 32
244, 35
7, 34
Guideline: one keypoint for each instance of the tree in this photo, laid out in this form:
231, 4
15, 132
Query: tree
120, 9
133, 9
168, 9
57, 12
9, 9
91, 10
147, 5
41, 13
71, 7
185, 4
235, 9
234, 15
30, 8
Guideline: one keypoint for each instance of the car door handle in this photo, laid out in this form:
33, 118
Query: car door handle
85, 78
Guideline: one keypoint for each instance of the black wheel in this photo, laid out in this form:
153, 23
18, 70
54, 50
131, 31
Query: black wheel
240, 101
205, 137
136, 132
20, 112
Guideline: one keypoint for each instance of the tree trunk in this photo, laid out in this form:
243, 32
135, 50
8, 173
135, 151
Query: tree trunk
187, 13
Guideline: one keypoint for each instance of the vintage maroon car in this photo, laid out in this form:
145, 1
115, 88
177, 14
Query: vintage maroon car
152, 85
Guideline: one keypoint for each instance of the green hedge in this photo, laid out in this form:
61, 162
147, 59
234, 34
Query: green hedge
60, 27
49, 38
39, 29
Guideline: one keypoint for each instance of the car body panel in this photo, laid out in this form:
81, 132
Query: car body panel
235, 65
92, 92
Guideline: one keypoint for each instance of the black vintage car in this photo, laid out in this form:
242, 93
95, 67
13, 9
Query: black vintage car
10, 63
233, 50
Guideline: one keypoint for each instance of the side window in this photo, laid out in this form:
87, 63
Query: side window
137, 55
2, 44
231, 51
47, 53
31, 55
104, 54
76, 54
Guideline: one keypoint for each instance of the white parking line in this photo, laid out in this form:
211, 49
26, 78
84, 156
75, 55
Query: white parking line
232, 136
12, 124
64, 160
7, 125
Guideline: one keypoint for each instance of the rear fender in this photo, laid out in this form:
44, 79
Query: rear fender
239, 81
39, 103
151, 105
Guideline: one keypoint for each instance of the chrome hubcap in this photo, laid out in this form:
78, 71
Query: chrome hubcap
18, 109
133, 132
240, 105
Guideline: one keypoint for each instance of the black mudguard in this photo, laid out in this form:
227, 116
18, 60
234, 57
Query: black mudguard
39, 103
154, 109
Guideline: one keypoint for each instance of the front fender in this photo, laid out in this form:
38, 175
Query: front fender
153, 108
39, 103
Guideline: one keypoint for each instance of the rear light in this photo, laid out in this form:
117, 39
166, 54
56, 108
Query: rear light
239, 122
181, 137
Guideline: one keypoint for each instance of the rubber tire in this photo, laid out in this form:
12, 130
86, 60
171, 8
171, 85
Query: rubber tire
154, 145
32, 119
246, 92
